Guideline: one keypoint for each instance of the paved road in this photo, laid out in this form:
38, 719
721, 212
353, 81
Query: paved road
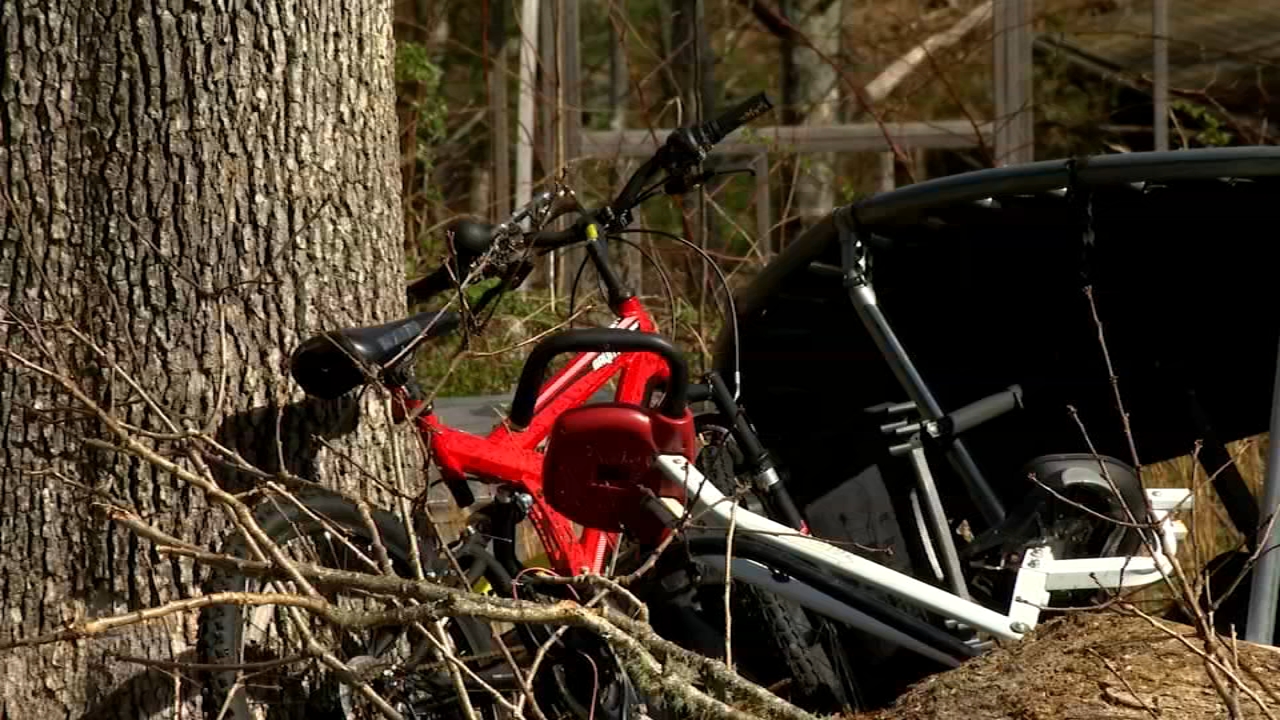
473, 414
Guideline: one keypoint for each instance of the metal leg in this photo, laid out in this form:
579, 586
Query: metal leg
923, 528
1261, 624
864, 302
1030, 589
863, 296
938, 522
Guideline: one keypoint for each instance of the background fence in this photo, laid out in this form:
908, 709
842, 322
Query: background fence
498, 95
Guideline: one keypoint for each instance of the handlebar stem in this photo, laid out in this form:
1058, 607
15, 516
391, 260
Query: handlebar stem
617, 291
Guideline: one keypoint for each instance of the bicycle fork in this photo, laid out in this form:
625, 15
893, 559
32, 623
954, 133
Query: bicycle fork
760, 465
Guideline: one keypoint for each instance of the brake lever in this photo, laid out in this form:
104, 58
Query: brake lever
685, 148
681, 184
564, 203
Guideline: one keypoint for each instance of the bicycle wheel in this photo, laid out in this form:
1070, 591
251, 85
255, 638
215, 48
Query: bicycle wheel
808, 646
264, 642
582, 676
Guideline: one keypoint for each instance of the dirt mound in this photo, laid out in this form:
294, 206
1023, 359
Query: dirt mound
1086, 667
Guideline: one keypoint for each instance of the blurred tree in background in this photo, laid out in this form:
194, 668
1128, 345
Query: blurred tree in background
652, 64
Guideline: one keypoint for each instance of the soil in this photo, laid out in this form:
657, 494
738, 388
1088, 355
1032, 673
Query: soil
1090, 667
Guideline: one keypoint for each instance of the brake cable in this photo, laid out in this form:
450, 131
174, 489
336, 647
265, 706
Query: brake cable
731, 315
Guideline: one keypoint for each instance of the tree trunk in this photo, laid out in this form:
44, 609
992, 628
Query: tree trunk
817, 96
500, 125
197, 187
619, 91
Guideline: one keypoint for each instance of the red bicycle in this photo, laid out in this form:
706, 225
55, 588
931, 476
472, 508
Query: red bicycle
510, 456
646, 367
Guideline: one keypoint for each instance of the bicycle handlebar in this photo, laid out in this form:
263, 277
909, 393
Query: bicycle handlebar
686, 147
438, 281
713, 131
980, 411
552, 239
683, 149
442, 278
674, 403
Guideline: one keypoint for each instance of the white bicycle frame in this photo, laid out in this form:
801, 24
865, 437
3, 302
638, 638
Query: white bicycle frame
1039, 574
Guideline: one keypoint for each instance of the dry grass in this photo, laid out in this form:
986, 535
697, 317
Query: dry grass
1211, 531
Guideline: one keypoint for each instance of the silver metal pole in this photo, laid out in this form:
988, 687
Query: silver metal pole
525, 106
1261, 623
1023, 55
888, 171
938, 521
1000, 78
1160, 60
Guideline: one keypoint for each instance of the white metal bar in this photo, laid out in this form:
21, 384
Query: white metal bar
1170, 499
1030, 589
754, 573
1261, 623
849, 137
1039, 575
707, 498
1108, 572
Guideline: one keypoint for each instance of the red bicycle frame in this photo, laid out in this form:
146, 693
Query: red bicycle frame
511, 457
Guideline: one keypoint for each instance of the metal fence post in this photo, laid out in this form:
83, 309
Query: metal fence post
1261, 623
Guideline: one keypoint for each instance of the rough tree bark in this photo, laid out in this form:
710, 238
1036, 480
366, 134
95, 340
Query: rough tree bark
817, 98
170, 169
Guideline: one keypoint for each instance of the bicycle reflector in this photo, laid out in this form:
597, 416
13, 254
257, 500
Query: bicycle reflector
598, 470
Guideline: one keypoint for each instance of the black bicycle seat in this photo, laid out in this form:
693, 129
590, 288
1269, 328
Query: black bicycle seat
472, 238
331, 364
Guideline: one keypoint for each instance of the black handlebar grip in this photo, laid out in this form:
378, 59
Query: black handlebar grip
978, 412
428, 287
551, 239
601, 340
735, 117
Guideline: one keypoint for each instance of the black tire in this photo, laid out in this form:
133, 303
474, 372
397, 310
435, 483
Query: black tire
581, 665
809, 648
221, 634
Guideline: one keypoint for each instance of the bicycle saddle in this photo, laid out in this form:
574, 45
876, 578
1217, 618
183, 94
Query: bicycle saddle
331, 364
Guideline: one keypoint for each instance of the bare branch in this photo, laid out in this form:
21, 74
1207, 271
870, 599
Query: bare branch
889, 79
